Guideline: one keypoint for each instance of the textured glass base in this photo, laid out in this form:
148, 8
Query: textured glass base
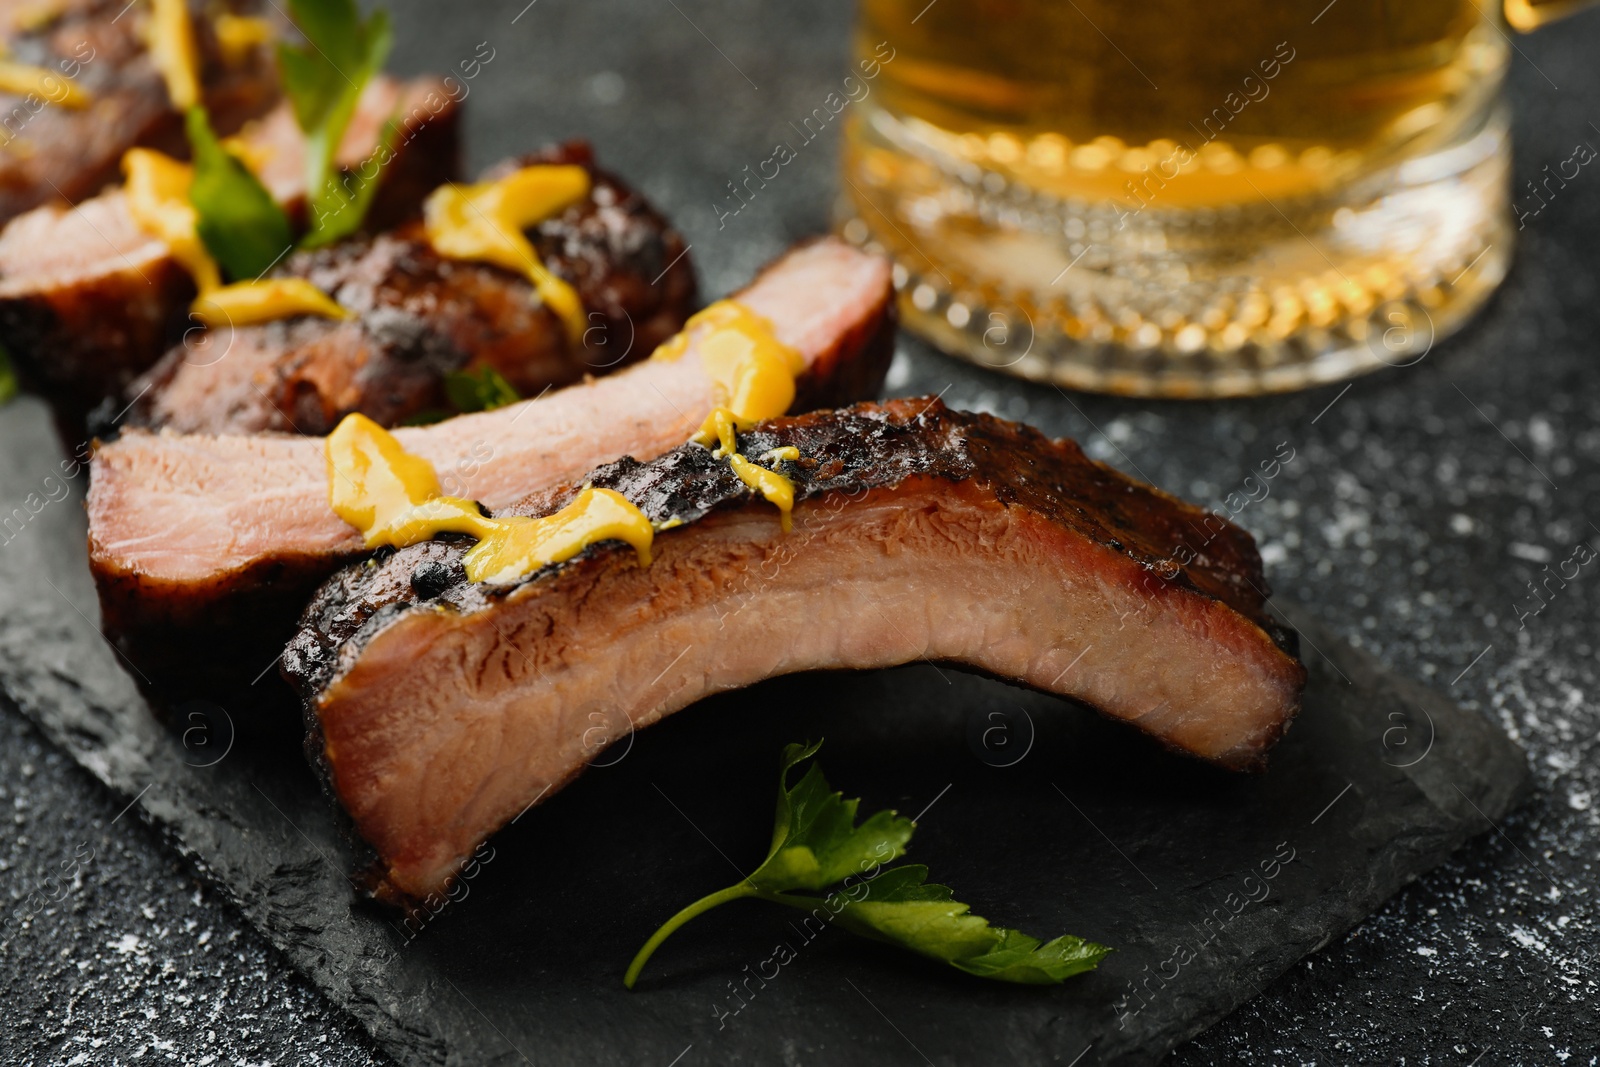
1192, 302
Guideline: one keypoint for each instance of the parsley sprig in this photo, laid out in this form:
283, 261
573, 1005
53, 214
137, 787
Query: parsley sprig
817, 845
468, 391
324, 81
243, 228
482, 390
8, 377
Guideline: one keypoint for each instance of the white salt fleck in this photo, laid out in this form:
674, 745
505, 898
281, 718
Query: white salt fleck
1527, 940
127, 944
1541, 434
1531, 553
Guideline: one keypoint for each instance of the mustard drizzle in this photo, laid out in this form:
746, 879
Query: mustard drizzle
394, 498
173, 51
752, 379
22, 79
485, 222
240, 35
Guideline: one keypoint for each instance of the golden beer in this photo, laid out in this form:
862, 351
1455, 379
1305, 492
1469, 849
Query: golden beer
1179, 198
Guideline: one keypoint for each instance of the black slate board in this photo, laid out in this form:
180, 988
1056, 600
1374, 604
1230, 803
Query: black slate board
1041, 815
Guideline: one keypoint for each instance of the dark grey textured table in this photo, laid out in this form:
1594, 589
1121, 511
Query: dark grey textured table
1420, 504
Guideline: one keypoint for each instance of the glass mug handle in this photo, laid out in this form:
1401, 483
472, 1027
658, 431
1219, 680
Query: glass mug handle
1525, 15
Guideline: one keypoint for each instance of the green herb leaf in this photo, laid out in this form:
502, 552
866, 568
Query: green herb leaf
816, 844
240, 224
323, 81
8, 377
480, 390
815, 841
901, 907
427, 417
338, 213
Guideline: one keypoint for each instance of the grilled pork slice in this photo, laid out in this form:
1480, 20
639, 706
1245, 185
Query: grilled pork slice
59, 145
420, 317
447, 707
88, 300
205, 548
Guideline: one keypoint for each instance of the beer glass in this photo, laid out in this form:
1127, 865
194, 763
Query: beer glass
1183, 199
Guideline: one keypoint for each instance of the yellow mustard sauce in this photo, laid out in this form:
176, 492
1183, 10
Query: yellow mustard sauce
753, 379
752, 372
485, 222
172, 50
158, 199
157, 190
394, 498
249, 303
777, 489
240, 35
255, 155
21, 79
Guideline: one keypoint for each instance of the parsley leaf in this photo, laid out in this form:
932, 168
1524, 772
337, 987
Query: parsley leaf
8, 377
338, 213
323, 81
427, 417
483, 390
240, 224
468, 392
816, 843
903, 908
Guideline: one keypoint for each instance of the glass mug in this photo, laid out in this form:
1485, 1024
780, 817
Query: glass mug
1185, 199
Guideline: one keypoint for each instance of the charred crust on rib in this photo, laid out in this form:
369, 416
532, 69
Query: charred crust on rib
433, 576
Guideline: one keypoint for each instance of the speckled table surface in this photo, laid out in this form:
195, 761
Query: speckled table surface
1421, 503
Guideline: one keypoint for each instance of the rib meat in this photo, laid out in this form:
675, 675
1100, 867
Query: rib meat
447, 707
53, 152
88, 300
205, 548
420, 317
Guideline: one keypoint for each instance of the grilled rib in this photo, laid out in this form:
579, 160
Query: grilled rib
420, 317
55, 152
205, 548
447, 707
88, 300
